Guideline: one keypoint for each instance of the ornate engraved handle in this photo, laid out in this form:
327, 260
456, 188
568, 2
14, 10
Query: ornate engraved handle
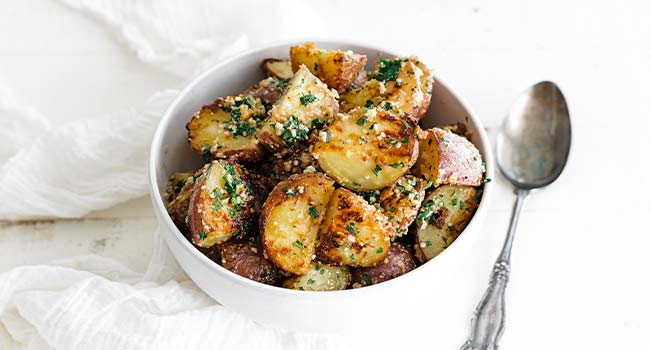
489, 316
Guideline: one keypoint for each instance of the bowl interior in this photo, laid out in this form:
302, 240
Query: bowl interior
170, 152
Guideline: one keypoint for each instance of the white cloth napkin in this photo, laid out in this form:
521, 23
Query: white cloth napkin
68, 170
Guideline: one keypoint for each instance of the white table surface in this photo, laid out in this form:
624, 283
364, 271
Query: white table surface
581, 263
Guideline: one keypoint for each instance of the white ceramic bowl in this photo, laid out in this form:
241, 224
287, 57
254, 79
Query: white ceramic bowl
428, 286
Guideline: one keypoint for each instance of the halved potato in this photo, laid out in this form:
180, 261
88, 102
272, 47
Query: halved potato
443, 216
226, 128
336, 68
320, 277
447, 158
354, 233
398, 261
222, 204
290, 220
245, 258
178, 194
401, 202
280, 69
367, 149
306, 105
402, 85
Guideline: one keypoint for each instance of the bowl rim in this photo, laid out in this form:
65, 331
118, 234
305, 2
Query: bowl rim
156, 149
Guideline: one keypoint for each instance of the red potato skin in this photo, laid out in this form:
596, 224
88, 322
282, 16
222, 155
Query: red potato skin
398, 261
246, 259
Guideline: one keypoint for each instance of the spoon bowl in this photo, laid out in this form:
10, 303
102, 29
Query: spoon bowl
533, 143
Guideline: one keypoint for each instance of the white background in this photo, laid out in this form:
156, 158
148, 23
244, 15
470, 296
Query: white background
581, 262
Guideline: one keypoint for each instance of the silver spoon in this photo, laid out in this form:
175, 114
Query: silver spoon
532, 148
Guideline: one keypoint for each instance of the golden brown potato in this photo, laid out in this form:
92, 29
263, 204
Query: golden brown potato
290, 220
320, 277
336, 68
401, 201
222, 204
367, 149
279, 69
447, 158
443, 216
226, 128
354, 233
307, 104
398, 261
245, 258
178, 194
402, 85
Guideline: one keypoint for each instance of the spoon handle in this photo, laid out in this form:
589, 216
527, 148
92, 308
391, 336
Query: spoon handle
489, 317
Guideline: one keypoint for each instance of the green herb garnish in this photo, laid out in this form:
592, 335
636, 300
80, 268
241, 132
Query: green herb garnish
388, 69
307, 99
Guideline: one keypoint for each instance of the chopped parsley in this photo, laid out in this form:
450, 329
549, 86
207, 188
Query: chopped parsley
428, 243
216, 206
313, 212
307, 99
294, 131
317, 124
282, 83
406, 124
238, 127
362, 121
231, 212
429, 184
367, 279
290, 192
380, 250
352, 228
202, 235
369, 103
298, 244
387, 106
388, 69
205, 153
310, 281
454, 201
396, 165
376, 170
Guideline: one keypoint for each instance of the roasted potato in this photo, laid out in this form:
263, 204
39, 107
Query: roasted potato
268, 90
279, 69
447, 158
401, 201
354, 233
306, 105
245, 258
290, 220
226, 128
443, 216
398, 261
222, 204
402, 85
336, 68
320, 277
367, 149
178, 194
